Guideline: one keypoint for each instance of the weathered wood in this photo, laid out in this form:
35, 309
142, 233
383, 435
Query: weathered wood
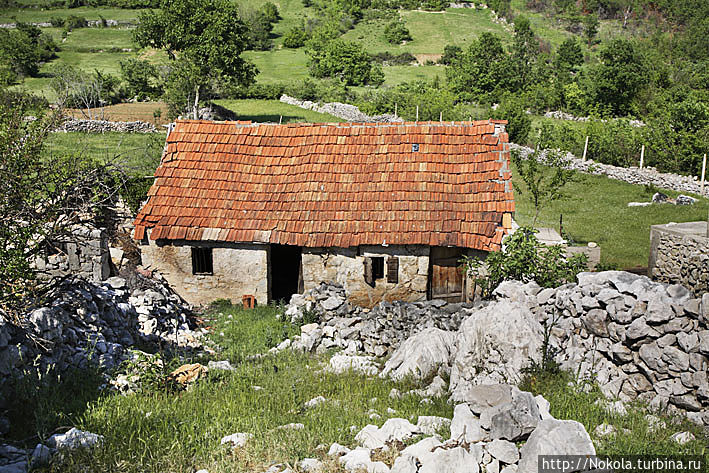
446, 281
393, 270
368, 277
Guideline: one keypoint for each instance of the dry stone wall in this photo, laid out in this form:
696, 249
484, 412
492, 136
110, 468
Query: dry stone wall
679, 254
347, 112
85, 254
630, 175
102, 126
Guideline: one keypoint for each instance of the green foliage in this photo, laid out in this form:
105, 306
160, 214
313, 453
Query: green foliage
543, 181
619, 77
434, 5
141, 79
396, 32
524, 259
73, 22
259, 24
270, 12
295, 37
429, 97
390, 59
79, 89
519, 123
569, 56
451, 53
344, 60
22, 49
590, 28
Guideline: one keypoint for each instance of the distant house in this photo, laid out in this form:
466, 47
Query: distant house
386, 210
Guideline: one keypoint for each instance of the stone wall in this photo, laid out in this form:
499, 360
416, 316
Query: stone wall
348, 112
239, 269
102, 126
345, 267
85, 254
632, 175
679, 254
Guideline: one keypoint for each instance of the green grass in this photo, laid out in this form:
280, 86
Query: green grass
43, 15
279, 65
596, 209
139, 153
273, 111
155, 431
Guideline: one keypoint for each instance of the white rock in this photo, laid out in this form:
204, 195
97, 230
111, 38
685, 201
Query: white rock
554, 437
683, 437
291, 426
237, 440
503, 450
311, 465
543, 406
422, 449
337, 450
454, 460
360, 459
654, 423
394, 429
429, 425
464, 426
223, 365
360, 364
493, 345
604, 430
421, 355
74, 438
41, 455
315, 401
405, 464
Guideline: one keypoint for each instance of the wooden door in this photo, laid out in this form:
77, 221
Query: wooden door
445, 278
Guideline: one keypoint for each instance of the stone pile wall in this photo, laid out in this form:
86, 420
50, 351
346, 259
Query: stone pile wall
345, 111
679, 254
630, 175
559, 115
85, 321
636, 338
102, 126
87, 255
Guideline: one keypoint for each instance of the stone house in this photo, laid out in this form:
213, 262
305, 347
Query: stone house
385, 210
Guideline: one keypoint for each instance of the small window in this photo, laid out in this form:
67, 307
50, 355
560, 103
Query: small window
202, 261
373, 269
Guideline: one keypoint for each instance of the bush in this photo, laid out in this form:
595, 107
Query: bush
388, 59
524, 259
435, 5
141, 79
450, 54
344, 60
73, 22
513, 110
295, 38
396, 32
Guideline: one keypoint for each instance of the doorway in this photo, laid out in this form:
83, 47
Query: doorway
445, 277
286, 272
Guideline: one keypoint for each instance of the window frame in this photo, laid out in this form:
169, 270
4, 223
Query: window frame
202, 258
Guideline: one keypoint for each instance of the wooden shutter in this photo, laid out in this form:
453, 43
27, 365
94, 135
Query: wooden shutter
368, 277
393, 269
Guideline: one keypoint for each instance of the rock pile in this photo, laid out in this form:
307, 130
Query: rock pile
87, 322
482, 436
102, 126
377, 332
636, 338
345, 111
631, 175
559, 115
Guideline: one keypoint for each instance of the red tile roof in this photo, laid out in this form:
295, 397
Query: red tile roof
332, 184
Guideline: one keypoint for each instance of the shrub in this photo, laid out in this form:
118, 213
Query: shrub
344, 60
524, 259
513, 110
73, 22
450, 54
270, 12
140, 77
390, 59
396, 32
435, 5
295, 38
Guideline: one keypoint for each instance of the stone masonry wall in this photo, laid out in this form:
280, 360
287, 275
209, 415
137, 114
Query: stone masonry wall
345, 267
679, 254
239, 269
86, 254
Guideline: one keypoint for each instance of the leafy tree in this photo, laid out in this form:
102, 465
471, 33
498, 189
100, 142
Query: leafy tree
590, 28
396, 32
525, 49
270, 12
259, 27
208, 36
543, 177
141, 78
619, 77
22, 49
451, 53
295, 38
42, 196
483, 71
524, 259
345, 60
513, 110
569, 56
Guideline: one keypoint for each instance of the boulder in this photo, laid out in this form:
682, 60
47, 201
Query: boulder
516, 419
360, 364
430, 425
454, 460
493, 345
465, 427
554, 437
236, 440
394, 429
74, 438
504, 451
421, 355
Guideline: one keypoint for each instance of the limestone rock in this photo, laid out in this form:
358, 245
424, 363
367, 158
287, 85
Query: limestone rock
504, 451
74, 438
454, 460
429, 425
516, 419
236, 440
360, 364
421, 355
554, 437
464, 426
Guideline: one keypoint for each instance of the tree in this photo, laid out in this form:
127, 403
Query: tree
42, 197
396, 32
544, 177
525, 49
295, 38
619, 77
519, 123
85, 91
206, 34
590, 28
569, 56
345, 60
451, 53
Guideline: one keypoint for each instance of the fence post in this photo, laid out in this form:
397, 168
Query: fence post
280, 119
642, 156
585, 149
417, 113
704, 169
396, 109
440, 117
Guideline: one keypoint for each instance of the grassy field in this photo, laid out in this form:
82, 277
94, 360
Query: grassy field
143, 111
156, 430
43, 15
274, 111
596, 209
